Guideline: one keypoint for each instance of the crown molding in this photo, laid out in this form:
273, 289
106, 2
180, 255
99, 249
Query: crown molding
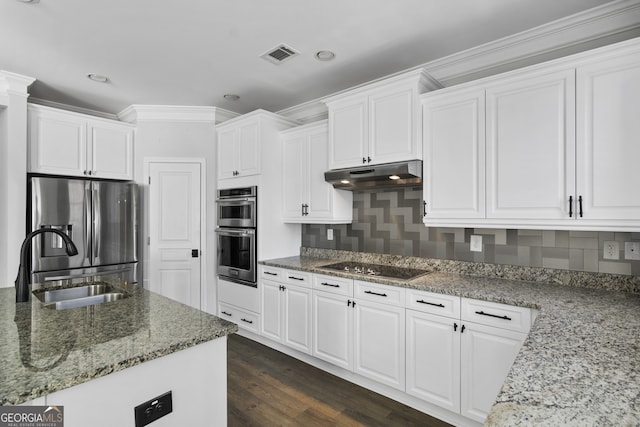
175, 113
558, 36
73, 108
15, 84
264, 114
307, 112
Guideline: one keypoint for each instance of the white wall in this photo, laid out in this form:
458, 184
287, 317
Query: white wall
180, 139
13, 171
4, 197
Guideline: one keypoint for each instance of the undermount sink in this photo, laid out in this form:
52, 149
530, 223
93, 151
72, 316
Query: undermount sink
80, 296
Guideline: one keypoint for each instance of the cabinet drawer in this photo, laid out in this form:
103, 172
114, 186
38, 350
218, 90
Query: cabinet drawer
245, 297
494, 314
300, 278
379, 293
335, 285
244, 319
430, 302
271, 273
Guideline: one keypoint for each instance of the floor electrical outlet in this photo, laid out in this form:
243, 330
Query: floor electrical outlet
632, 250
476, 244
611, 250
153, 409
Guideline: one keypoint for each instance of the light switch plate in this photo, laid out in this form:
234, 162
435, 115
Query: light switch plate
611, 250
632, 250
476, 243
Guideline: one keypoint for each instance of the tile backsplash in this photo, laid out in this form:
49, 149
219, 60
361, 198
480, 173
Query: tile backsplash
390, 222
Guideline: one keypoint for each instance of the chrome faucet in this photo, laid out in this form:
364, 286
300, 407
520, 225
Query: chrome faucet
23, 279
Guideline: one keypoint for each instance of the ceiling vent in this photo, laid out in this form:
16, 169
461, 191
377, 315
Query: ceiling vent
279, 54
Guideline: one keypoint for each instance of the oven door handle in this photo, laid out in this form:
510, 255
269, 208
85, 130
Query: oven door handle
237, 202
236, 231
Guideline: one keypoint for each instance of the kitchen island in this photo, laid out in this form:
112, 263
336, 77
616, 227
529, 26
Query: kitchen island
113, 357
579, 366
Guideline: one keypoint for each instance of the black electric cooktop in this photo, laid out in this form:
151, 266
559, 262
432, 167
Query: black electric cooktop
402, 273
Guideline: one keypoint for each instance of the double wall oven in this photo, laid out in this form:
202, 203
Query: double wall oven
237, 211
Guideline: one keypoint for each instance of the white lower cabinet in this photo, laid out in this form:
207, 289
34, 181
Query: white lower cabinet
239, 304
362, 335
243, 318
445, 350
433, 359
286, 314
333, 328
487, 354
491, 337
379, 333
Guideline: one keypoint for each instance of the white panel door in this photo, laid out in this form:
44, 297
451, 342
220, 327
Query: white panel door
294, 162
333, 329
608, 148
111, 151
320, 192
454, 147
348, 134
433, 359
58, 143
393, 124
297, 318
174, 230
379, 343
227, 153
271, 309
249, 149
530, 146
487, 354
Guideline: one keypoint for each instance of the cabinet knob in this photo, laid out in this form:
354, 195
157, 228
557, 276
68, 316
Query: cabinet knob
364, 160
368, 159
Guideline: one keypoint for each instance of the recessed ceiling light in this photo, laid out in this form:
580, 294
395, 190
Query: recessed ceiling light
394, 177
98, 78
325, 55
231, 97
345, 181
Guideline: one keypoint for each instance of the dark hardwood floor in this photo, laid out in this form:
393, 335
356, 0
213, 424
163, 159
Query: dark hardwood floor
268, 388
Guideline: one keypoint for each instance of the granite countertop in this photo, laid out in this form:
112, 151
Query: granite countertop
579, 366
44, 350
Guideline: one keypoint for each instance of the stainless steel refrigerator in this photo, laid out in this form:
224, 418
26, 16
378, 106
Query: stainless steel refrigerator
101, 217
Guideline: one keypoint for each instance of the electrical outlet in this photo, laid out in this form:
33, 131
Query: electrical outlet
476, 243
611, 250
151, 410
329, 233
632, 250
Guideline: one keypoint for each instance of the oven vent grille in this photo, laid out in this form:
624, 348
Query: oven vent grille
279, 54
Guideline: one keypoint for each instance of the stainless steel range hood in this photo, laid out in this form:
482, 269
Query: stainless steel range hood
388, 175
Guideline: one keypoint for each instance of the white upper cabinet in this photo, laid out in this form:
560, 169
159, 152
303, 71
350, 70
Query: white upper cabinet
67, 143
239, 150
560, 146
307, 197
530, 131
378, 123
454, 146
111, 150
608, 150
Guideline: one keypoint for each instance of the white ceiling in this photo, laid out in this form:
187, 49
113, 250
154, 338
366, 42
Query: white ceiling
172, 52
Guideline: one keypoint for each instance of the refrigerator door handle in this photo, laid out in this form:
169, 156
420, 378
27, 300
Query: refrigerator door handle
87, 221
96, 224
